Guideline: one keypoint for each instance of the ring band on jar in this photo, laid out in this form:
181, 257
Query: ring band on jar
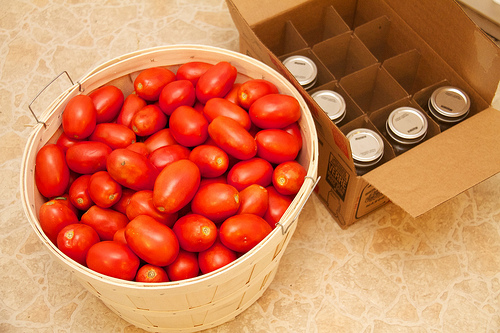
332, 103
303, 69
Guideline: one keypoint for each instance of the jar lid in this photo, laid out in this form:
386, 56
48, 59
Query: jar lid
367, 146
407, 125
303, 69
449, 104
332, 103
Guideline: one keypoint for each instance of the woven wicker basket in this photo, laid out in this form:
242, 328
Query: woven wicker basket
205, 301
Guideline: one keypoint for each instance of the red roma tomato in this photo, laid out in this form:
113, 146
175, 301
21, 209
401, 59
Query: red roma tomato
185, 266
104, 190
278, 204
221, 107
288, 177
65, 142
217, 81
252, 90
188, 127
217, 256
232, 95
79, 193
139, 147
75, 240
119, 236
141, 203
88, 157
108, 101
294, 130
253, 200
253, 171
216, 202
105, 221
160, 139
150, 274
276, 146
211, 160
51, 171
113, 259
229, 135
274, 111
153, 242
148, 120
242, 232
121, 205
131, 169
53, 216
149, 83
164, 156
131, 106
64, 199
195, 232
192, 71
114, 135
175, 94
176, 185
79, 117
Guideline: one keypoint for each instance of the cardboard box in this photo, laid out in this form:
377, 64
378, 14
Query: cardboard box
379, 55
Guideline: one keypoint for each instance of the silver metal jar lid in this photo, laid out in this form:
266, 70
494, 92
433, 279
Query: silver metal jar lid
407, 125
303, 69
367, 146
332, 103
449, 104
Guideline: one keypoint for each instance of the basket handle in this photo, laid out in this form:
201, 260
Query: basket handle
284, 230
41, 91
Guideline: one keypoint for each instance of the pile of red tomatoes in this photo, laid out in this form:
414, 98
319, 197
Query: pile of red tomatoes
177, 179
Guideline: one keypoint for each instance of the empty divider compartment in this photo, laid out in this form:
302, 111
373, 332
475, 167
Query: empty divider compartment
281, 37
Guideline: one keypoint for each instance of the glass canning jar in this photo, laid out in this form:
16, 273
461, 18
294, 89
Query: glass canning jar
367, 148
448, 106
405, 127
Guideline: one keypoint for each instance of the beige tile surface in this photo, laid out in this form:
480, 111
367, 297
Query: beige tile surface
387, 273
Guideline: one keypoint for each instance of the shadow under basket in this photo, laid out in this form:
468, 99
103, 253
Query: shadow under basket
207, 300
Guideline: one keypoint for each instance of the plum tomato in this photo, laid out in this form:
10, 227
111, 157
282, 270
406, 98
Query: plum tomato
294, 130
192, 71
253, 171
88, 157
231, 137
75, 240
51, 171
253, 200
163, 156
215, 257
277, 205
176, 185
274, 111
288, 177
211, 160
217, 81
185, 266
119, 236
232, 95
276, 145
153, 242
150, 274
53, 216
131, 106
105, 221
104, 190
150, 82
114, 135
108, 101
65, 142
139, 147
79, 193
188, 127
121, 205
113, 259
131, 169
160, 139
216, 202
148, 120
222, 107
141, 203
242, 232
79, 117
195, 232
253, 89
175, 94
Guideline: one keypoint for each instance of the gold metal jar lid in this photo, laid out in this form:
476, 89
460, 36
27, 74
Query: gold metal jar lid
367, 146
332, 103
303, 69
407, 125
449, 104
